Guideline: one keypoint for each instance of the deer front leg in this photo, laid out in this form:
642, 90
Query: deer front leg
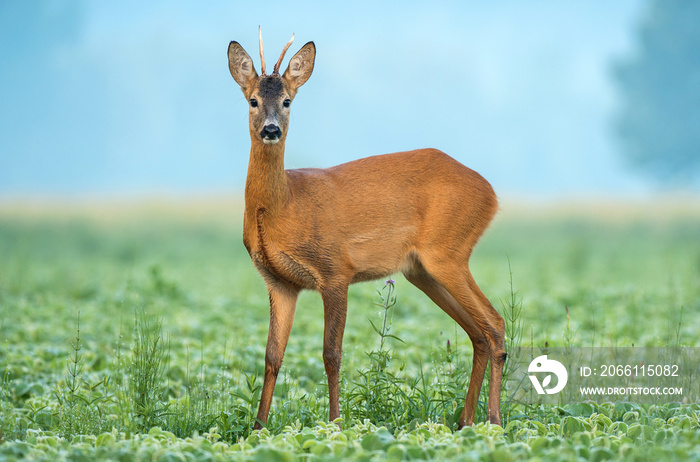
335, 304
283, 300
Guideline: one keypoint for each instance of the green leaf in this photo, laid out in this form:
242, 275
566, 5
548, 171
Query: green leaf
106, 439
571, 425
377, 440
270, 454
539, 444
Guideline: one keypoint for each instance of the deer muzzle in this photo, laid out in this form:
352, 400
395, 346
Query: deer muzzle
271, 134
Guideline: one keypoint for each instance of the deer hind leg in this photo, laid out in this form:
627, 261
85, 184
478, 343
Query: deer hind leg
335, 306
495, 330
485, 327
283, 301
442, 298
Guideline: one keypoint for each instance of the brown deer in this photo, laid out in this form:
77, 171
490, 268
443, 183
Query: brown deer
418, 212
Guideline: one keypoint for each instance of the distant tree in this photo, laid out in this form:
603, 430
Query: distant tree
659, 118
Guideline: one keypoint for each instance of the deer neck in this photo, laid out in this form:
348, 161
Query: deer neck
266, 183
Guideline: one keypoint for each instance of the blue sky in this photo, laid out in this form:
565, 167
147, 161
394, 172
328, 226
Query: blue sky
135, 98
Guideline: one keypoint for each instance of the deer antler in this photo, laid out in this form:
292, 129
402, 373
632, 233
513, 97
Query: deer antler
262, 56
276, 69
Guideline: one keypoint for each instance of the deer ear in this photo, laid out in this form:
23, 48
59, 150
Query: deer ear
241, 66
301, 66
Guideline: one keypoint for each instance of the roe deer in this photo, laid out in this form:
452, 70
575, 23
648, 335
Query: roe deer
418, 212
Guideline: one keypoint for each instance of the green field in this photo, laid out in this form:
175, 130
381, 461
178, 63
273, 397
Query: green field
137, 332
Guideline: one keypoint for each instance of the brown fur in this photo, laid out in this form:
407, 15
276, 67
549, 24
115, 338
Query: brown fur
417, 212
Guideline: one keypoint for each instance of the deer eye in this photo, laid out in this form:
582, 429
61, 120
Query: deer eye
287, 102
253, 102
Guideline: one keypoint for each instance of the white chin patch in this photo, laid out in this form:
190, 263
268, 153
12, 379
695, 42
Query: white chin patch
271, 140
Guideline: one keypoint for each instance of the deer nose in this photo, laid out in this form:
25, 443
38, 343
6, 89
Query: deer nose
271, 132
